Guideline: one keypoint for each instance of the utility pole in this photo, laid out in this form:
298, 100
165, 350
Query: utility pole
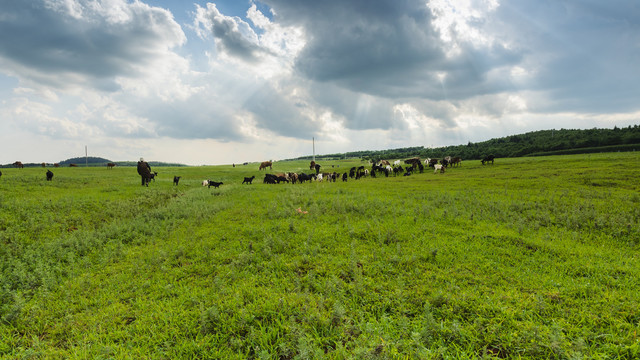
313, 140
86, 157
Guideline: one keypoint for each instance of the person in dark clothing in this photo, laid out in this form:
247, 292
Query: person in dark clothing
145, 171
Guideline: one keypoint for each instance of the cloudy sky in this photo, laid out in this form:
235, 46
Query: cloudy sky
231, 81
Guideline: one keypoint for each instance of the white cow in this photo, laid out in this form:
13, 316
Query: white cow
205, 182
396, 163
438, 167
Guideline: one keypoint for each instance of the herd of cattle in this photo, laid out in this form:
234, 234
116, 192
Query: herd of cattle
381, 168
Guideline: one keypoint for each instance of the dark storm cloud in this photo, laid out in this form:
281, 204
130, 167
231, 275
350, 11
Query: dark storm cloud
388, 49
54, 45
582, 56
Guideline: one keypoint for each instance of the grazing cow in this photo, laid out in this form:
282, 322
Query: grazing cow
18, 164
444, 162
304, 177
73, 165
0, 173
438, 167
487, 159
205, 182
293, 176
433, 162
44, 165
214, 184
413, 162
153, 175
110, 165
384, 162
312, 165
176, 179
396, 163
270, 179
264, 164
56, 165
344, 177
248, 180
49, 175
456, 161
317, 168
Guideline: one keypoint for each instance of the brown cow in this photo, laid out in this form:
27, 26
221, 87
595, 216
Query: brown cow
18, 164
44, 165
110, 165
312, 165
73, 165
265, 164
413, 162
56, 165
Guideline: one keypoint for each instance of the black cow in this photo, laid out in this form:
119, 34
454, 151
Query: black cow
49, 175
317, 168
487, 159
248, 180
270, 179
176, 179
344, 177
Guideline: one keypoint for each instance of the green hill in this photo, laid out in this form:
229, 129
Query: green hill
543, 142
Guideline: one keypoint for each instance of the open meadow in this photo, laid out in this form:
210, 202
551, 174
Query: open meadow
527, 258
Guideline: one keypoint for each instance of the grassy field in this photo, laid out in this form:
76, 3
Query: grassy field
528, 258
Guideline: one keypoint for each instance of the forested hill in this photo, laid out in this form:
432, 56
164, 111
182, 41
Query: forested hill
543, 142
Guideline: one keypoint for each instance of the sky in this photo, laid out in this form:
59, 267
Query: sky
209, 83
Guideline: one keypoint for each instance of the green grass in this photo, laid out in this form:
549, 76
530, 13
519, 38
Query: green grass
528, 258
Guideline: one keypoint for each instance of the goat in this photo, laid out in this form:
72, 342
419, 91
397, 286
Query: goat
248, 180
214, 184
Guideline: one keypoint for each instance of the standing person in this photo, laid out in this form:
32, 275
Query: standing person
145, 171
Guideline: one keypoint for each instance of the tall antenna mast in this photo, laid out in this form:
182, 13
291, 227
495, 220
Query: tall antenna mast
313, 139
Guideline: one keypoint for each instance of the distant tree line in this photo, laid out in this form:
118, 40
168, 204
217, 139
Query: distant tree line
536, 143
93, 161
